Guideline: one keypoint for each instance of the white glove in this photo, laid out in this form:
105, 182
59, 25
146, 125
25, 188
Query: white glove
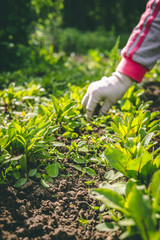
110, 90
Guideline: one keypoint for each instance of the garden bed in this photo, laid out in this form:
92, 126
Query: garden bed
63, 211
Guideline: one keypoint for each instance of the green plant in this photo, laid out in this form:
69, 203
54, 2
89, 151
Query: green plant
129, 153
43, 127
72, 40
145, 221
83, 221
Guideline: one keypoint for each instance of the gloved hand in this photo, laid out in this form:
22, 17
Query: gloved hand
109, 90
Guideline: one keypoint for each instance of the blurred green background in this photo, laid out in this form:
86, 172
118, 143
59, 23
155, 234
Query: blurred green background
31, 31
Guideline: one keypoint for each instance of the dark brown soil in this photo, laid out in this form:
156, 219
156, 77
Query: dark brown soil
34, 212
152, 92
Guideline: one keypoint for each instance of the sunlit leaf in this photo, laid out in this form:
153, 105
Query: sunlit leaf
107, 227
141, 212
52, 170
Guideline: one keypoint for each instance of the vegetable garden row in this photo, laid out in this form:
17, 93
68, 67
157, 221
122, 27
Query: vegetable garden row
45, 138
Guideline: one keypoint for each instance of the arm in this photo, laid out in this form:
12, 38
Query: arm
138, 56
143, 47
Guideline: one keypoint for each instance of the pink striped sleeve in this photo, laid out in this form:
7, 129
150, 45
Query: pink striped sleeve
140, 53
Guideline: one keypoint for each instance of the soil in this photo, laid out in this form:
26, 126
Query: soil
152, 93
35, 212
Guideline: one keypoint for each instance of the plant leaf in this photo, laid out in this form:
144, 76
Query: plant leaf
23, 163
110, 198
44, 183
155, 190
89, 171
52, 170
141, 211
32, 172
20, 182
117, 159
107, 227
